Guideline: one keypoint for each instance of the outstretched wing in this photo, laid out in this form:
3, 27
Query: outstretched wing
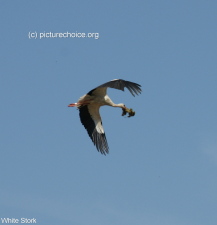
90, 118
119, 84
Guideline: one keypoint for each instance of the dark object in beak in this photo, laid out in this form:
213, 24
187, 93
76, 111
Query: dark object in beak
129, 111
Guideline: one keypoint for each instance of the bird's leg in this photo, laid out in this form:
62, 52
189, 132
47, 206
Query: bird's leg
79, 104
72, 105
129, 111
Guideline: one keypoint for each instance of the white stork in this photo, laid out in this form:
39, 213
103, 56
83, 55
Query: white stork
90, 103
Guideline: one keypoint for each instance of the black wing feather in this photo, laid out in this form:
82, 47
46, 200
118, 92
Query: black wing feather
120, 84
99, 140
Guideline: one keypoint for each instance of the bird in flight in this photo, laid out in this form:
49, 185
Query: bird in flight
90, 103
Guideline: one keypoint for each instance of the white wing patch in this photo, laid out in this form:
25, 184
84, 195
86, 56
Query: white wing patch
94, 112
99, 128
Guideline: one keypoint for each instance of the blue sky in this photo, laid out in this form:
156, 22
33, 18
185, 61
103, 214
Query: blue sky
162, 165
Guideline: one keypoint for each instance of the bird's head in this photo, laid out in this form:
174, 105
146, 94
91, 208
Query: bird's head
121, 105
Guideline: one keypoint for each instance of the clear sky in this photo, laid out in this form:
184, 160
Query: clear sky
162, 165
